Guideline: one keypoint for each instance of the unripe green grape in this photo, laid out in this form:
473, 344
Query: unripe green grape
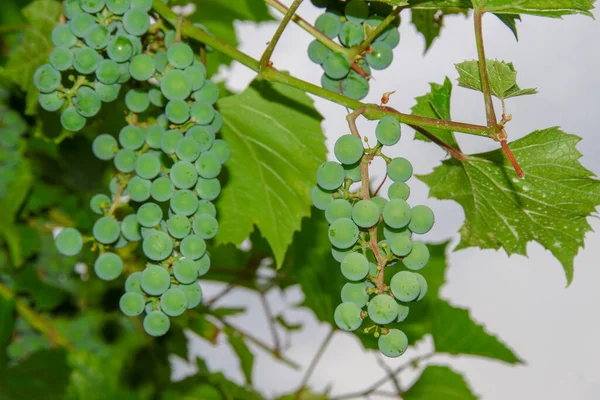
161, 61
222, 150
124, 74
402, 312
169, 141
318, 52
125, 160
154, 135
393, 344
357, 10
61, 58
108, 72
192, 247
71, 120
208, 93
162, 121
193, 292
122, 242
352, 171
156, 323
52, 101
118, 7
421, 220
183, 175
46, 78
355, 293
202, 113
108, 266
381, 56
401, 245
348, 149
62, 36
69, 242
339, 254
142, 67
176, 85
388, 131
356, 87
331, 84
184, 202
339, 208
99, 203
343, 233
329, 23
382, 309
397, 213
173, 302
321, 198
132, 304
330, 175
205, 226
355, 266
180, 55
188, 149
423, 285
202, 135
139, 189
87, 102
105, 147
206, 207
399, 169
147, 166
347, 316
133, 283
130, 228
177, 111
136, 22
91, 6
336, 65
107, 93
137, 100
216, 124
85, 60
179, 226
365, 213
185, 270
119, 48
399, 190
197, 76
162, 189
80, 23
393, 38
156, 97
405, 286
208, 189
373, 22
208, 165
203, 265
97, 37
157, 246
351, 34
149, 215
106, 230
418, 257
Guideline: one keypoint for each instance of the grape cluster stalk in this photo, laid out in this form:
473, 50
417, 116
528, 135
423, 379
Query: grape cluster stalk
351, 23
356, 219
167, 158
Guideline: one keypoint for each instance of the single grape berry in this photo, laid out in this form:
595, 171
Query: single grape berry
71, 120
382, 309
184, 202
355, 86
357, 10
208, 165
330, 175
99, 203
46, 78
351, 34
137, 100
142, 67
339, 254
355, 267
69, 242
339, 208
132, 304
52, 101
336, 65
421, 220
381, 56
388, 131
176, 85
321, 198
139, 189
418, 257
157, 246
402, 312
106, 230
343, 233
355, 293
108, 266
179, 226
155, 280
183, 174
156, 323
173, 302
205, 226
405, 286
193, 292
423, 285
399, 190
178, 111
348, 149
125, 160
136, 21
149, 215
203, 265
185, 270
180, 55
399, 169
130, 228
133, 283
396, 213
393, 344
365, 213
347, 316
162, 189
401, 245
318, 52
147, 166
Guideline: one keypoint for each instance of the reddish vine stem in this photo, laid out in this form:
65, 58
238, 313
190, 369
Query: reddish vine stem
366, 195
380, 185
512, 159
451, 150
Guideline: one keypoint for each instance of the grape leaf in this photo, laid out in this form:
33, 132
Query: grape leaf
41, 16
7, 320
550, 206
510, 20
437, 382
236, 341
276, 146
428, 23
436, 104
502, 78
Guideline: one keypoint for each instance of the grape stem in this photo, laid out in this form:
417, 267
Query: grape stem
116, 199
313, 364
366, 195
38, 322
455, 153
361, 48
265, 60
271, 321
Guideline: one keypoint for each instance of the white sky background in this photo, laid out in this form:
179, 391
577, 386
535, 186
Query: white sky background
522, 300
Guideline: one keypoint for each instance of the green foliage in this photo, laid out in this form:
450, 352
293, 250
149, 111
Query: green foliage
438, 382
436, 104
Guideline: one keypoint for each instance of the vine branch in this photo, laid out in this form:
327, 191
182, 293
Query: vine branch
361, 48
490, 113
271, 321
265, 60
313, 364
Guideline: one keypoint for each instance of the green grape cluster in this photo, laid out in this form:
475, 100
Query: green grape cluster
382, 274
167, 160
350, 23
95, 52
12, 128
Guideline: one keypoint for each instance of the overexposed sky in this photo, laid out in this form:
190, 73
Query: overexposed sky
522, 300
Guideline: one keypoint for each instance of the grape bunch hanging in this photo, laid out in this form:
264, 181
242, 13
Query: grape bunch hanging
347, 69
356, 220
167, 158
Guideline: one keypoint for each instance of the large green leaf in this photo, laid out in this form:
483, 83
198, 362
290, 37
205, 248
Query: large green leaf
41, 16
502, 78
550, 206
276, 146
437, 382
428, 23
436, 104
